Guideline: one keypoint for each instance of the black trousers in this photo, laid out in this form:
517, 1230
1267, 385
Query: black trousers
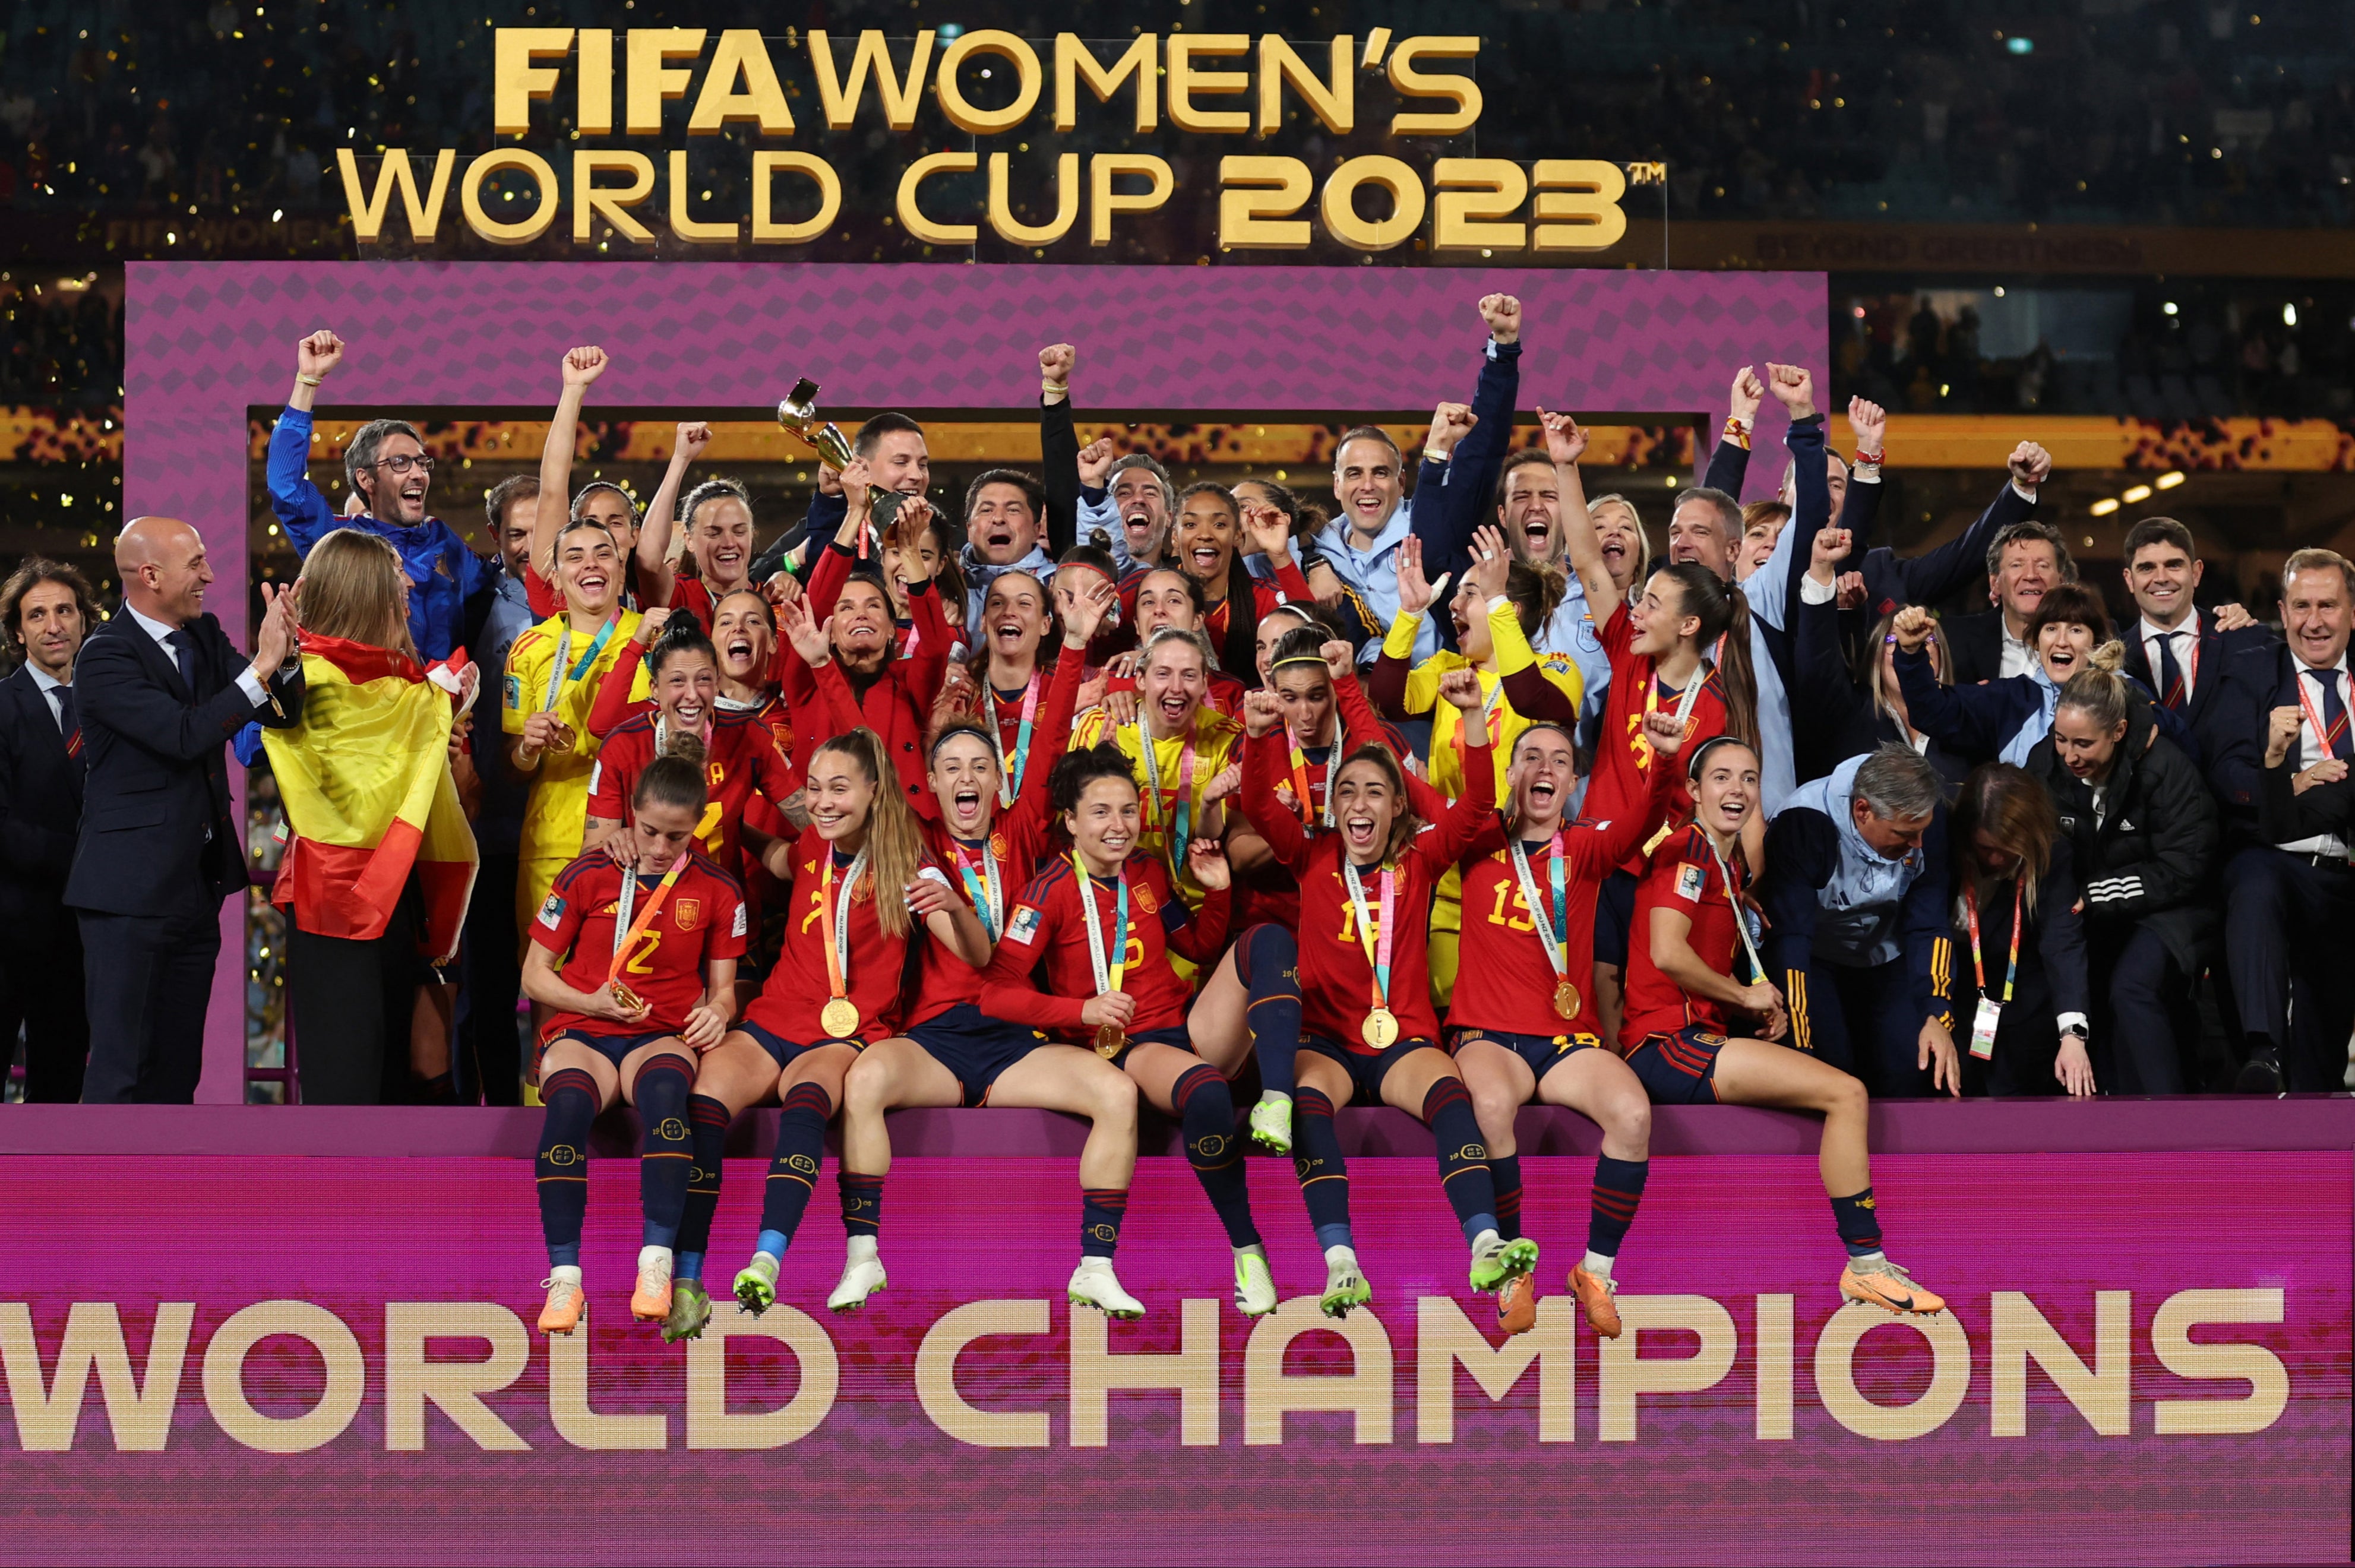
1863, 1021
2286, 922
41, 988
489, 1060
353, 1003
147, 980
2143, 1041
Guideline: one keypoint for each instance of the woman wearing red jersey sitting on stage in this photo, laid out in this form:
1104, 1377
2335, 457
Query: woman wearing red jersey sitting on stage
1682, 999
863, 890
1365, 982
1522, 1024
1100, 929
646, 980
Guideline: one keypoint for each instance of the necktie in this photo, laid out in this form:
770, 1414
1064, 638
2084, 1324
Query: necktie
184, 649
2336, 741
68, 725
2170, 674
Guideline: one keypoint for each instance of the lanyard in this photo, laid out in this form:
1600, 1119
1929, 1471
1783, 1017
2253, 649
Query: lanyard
662, 734
987, 889
1173, 847
1553, 934
626, 931
1741, 916
1311, 814
556, 677
1011, 771
1108, 972
1377, 955
1491, 720
833, 909
1978, 959
2322, 737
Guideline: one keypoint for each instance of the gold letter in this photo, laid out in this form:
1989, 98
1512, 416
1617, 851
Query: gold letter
1028, 78
225, 1384
1185, 80
1192, 1370
1103, 168
924, 227
470, 197
1950, 1376
1774, 1367
1623, 1375
709, 1423
765, 166
596, 68
1462, 220
685, 225
1073, 59
567, 1402
1067, 201
1443, 1337
140, 1413
1383, 173
2018, 1333
1460, 90
1252, 193
2170, 1339
936, 1388
1582, 195
515, 80
368, 217
409, 1380
612, 203
1337, 105
653, 82
742, 53
1364, 1391
899, 96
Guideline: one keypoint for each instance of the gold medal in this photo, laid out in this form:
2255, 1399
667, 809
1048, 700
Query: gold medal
630, 1000
1109, 1040
564, 737
1381, 1030
1565, 1000
841, 1019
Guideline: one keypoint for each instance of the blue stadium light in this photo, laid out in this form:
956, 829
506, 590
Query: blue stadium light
2020, 46
950, 30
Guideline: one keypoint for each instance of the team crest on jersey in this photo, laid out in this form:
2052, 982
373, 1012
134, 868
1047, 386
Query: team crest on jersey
551, 913
1691, 879
1144, 901
686, 913
999, 846
442, 568
1024, 926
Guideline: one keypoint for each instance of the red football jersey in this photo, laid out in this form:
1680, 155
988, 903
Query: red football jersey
1337, 980
1504, 980
702, 919
1623, 758
740, 758
1044, 931
1684, 877
796, 991
1269, 893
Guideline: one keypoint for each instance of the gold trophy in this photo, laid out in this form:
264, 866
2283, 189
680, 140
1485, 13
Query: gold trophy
798, 413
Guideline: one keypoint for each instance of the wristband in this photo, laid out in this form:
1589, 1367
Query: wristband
1055, 388
307, 380
1737, 431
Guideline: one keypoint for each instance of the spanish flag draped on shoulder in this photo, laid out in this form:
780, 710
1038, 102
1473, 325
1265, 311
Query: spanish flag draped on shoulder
366, 782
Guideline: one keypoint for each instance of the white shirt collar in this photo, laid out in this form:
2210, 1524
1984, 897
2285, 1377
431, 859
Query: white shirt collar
43, 681
2301, 665
2148, 629
154, 628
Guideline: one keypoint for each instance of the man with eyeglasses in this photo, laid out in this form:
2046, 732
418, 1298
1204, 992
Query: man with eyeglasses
389, 469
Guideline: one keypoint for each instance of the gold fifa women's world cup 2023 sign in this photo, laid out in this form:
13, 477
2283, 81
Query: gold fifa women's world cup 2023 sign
586, 94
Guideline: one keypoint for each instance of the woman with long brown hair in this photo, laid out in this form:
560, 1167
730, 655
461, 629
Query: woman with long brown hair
2013, 879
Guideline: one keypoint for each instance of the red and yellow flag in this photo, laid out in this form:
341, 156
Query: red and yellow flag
365, 782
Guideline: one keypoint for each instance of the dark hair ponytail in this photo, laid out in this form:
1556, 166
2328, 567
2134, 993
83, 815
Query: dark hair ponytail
1723, 613
682, 633
1075, 769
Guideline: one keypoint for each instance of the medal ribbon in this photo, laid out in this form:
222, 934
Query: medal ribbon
833, 909
1311, 814
1741, 915
624, 939
1684, 706
985, 888
556, 677
1108, 974
1378, 952
1492, 718
1978, 962
1172, 845
1010, 771
1553, 935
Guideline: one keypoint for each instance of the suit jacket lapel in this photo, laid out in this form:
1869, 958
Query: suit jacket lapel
33, 703
158, 659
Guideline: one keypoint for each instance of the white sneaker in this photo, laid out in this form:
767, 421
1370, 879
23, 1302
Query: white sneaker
1094, 1284
1345, 1284
1271, 1123
862, 1277
1254, 1282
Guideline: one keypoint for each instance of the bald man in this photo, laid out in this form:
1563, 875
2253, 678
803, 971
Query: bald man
161, 690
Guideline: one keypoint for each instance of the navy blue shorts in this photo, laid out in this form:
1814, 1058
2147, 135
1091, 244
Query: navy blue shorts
614, 1047
975, 1046
1541, 1051
783, 1050
1678, 1068
1175, 1038
1365, 1071
1614, 912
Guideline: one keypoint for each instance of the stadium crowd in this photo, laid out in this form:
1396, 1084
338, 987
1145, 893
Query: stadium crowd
1473, 791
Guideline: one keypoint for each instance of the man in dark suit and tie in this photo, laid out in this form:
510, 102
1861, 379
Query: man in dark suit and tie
2175, 649
161, 691
45, 609
2026, 559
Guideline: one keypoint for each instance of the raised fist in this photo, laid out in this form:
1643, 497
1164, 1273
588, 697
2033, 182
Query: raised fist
1503, 314
318, 354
